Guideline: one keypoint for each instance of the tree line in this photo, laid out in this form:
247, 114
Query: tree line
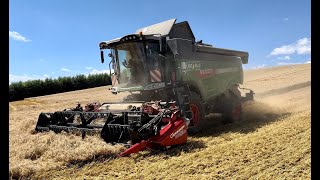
20, 90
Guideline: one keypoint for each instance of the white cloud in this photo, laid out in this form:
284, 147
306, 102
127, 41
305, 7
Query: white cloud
283, 50
89, 68
284, 58
65, 69
308, 62
25, 77
302, 46
95, 71
18, 37
259, 66
52, 73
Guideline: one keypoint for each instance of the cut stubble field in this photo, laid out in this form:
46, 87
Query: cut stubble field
273, 139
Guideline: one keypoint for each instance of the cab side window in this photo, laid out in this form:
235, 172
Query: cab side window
152, 51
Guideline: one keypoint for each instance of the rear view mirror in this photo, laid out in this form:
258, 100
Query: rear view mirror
102, 57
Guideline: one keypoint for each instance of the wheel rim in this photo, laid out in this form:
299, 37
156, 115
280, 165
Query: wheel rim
195, 114
236, 112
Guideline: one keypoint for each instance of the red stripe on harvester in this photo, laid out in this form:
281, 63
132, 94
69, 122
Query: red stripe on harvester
155, 75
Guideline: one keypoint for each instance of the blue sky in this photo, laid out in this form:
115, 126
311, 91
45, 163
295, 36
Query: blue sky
60, 38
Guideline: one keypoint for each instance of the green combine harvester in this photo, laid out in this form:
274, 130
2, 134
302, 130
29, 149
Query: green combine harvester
174, 82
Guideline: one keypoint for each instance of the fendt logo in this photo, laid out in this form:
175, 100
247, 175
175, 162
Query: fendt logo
178, 133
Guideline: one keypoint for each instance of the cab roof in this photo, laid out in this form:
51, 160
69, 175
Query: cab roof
165, 28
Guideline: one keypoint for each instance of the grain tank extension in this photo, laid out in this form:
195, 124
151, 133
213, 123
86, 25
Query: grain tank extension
174, 82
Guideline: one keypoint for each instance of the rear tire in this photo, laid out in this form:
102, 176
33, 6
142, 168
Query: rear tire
198, 114
232, 110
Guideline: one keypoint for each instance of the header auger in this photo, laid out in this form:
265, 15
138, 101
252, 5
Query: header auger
174, 80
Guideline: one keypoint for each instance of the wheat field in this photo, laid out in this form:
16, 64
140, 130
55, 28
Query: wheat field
272, 141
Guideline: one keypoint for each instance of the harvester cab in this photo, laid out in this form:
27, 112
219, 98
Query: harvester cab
174, 80
139, 60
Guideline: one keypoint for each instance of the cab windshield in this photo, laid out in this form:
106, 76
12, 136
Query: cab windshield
134, 61
130, 64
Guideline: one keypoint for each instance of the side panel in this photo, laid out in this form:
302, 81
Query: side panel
211, 73
212, 77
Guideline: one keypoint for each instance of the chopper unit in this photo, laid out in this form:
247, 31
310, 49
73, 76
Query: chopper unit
174, 82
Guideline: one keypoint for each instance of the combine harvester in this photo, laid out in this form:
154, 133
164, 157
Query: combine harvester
174, 80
